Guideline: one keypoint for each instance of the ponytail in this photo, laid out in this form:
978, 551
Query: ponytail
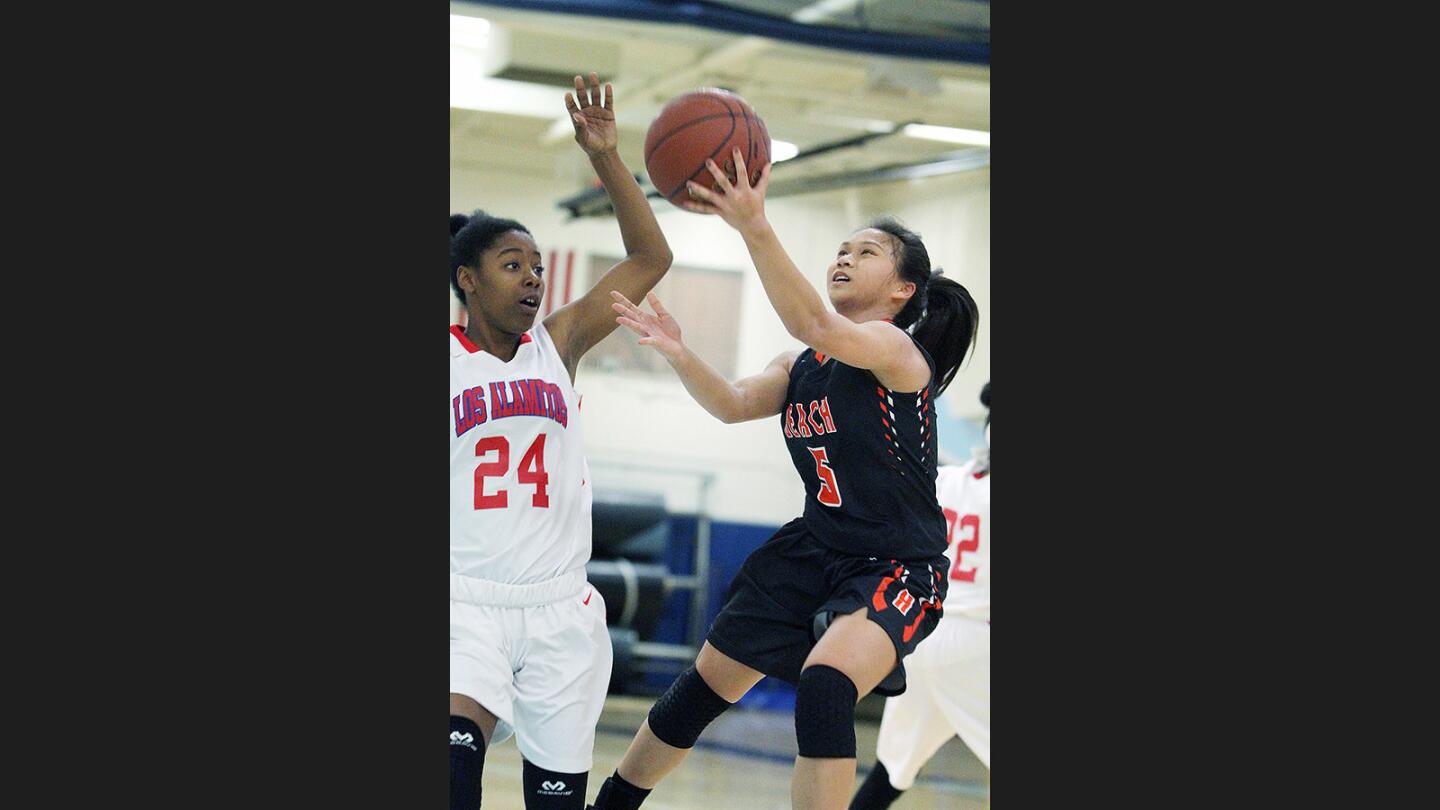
941, 314
948, 329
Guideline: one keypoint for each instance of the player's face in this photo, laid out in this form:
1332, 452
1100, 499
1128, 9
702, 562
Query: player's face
511, 283
864, 269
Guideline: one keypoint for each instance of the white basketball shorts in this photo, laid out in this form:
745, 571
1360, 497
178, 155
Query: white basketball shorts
947, 693
538, 658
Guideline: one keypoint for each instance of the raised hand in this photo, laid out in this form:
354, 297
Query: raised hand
658, 330
592, 117
741, 206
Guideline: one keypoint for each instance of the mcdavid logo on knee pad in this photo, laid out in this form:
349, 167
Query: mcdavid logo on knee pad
548, 788
466, 739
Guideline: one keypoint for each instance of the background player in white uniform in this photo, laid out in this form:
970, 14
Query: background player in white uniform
949, 674
529, 652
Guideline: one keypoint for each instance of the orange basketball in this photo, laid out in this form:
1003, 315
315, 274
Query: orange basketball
707, 124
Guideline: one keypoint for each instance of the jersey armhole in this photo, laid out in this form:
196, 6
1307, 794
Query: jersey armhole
929, 361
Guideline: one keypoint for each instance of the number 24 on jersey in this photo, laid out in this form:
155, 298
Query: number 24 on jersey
531, 472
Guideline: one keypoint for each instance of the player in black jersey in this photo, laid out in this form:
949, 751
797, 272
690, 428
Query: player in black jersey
836, 598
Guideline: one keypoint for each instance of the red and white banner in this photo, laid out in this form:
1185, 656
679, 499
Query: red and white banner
559, 283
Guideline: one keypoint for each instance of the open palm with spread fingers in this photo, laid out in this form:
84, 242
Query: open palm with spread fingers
658, 330
593, 116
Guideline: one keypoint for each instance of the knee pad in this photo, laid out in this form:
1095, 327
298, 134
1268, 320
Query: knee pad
467, 761
686, 708
825, 713
549, 790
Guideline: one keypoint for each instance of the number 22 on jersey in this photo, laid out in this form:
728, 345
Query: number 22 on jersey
969, 541
531, 472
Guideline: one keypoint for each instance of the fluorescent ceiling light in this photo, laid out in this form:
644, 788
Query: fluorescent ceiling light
469, 90
823, 10
477, 50
948, 134
469, 32
477, 46
866, 124
782, 150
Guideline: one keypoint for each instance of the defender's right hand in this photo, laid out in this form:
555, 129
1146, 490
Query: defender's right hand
658, 330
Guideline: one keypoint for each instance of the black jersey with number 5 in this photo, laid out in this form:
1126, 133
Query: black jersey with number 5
867, 457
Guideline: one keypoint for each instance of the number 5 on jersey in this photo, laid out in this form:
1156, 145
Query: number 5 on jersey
829, 493
532, 472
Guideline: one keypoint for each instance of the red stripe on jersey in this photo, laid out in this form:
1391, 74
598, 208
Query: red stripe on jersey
459, 333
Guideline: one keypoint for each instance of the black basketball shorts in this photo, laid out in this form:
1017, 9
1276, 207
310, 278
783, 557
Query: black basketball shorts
768, 620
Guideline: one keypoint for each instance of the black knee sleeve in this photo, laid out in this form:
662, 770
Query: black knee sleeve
825, 713
548, 790
875, 792
686, 708
467, 760
617, 794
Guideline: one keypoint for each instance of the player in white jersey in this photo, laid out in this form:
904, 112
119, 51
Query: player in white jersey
529, 652
949, 674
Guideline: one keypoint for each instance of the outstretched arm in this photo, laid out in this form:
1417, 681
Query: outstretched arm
580, 325
741, 401
876, 345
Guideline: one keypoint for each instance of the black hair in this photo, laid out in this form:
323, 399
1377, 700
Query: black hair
472, 235
941, 314
985, 400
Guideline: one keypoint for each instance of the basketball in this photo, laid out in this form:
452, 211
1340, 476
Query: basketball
707, 124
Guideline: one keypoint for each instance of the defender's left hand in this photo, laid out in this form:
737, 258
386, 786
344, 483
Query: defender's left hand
592, 117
